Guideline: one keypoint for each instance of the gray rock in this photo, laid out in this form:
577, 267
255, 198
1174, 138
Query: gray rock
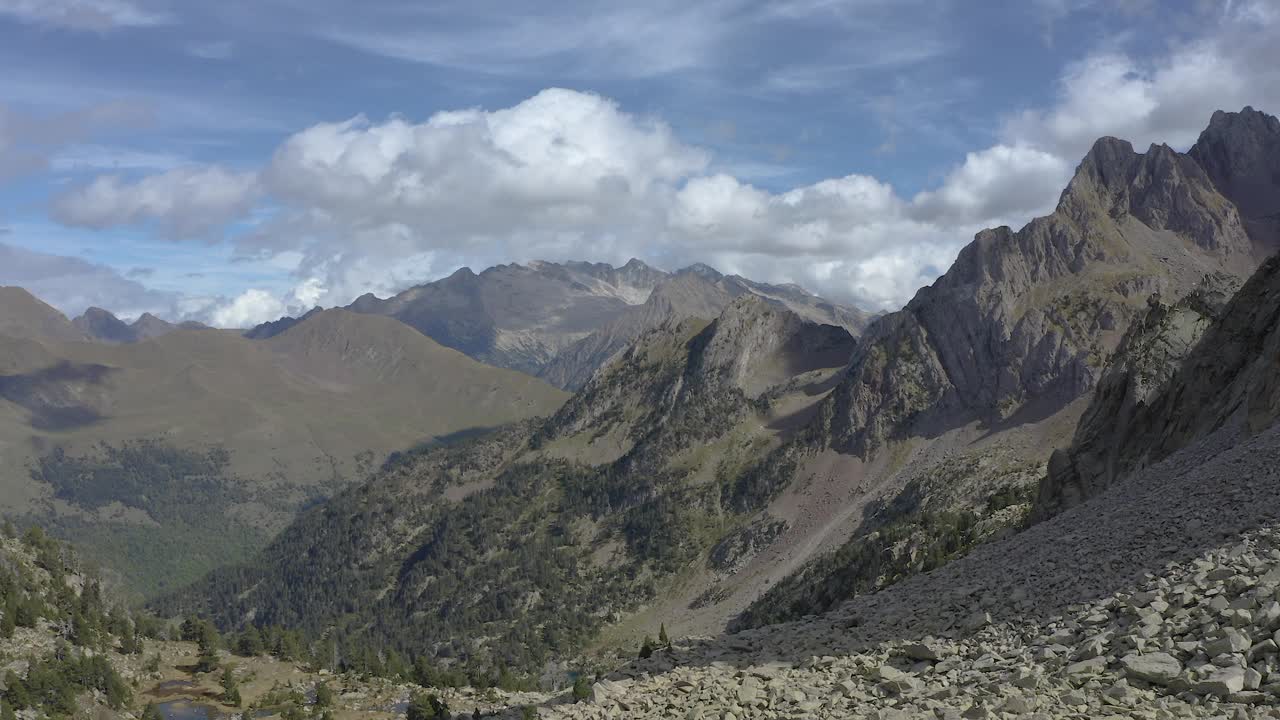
1159, 668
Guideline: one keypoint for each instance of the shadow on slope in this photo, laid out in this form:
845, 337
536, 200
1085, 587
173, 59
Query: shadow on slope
50, 394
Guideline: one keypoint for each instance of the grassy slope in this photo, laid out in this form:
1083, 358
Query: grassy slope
300, 415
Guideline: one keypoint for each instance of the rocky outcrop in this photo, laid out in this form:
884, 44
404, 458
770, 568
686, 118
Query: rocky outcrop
1031, 316
1241, 154
1183, 373
1141, 369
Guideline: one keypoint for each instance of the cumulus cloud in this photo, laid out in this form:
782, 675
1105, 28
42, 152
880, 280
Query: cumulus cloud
189, 202
90, 15
361, 206
249, 308
1164, 99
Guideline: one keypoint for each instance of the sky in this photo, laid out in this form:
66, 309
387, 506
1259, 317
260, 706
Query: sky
236, 161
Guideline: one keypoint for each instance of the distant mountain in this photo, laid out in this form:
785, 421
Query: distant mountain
517, 316
246, 431
103, 326
562, 322
273, 328
698, 291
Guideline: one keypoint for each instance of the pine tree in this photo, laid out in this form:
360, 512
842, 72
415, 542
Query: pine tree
646, 648
230, 688
8, 623
324, 695
663, 640
581, 688
427, 706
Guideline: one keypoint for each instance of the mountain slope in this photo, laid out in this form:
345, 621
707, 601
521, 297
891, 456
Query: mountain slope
24, 316
1099, 610
559, 524
244, 432
1224, 376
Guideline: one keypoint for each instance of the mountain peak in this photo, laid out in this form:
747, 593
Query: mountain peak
1240, 151
702, 270
102, 325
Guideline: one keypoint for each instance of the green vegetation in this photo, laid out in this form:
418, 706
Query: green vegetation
581, 688
52, 685
40, 590
230, 687
427, 706
188, 494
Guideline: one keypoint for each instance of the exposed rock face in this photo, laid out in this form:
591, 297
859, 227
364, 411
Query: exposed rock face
1241, 154
1166, 389
1032, 315
1143, 365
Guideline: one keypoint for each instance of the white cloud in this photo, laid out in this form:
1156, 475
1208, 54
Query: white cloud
362, 206
1002, 181
250, 308
91, 15
191, 202
1166, 99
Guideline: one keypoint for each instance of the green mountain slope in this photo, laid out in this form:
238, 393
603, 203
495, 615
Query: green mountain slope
240, 433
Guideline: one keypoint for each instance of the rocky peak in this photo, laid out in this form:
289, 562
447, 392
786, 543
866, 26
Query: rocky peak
1240, 152
149, 326
701, 269
101, 325
756, 343
1032, 315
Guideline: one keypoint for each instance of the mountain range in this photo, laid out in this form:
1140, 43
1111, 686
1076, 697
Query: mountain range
765, 464
562, 322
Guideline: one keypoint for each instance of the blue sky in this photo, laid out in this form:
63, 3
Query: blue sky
233, 161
